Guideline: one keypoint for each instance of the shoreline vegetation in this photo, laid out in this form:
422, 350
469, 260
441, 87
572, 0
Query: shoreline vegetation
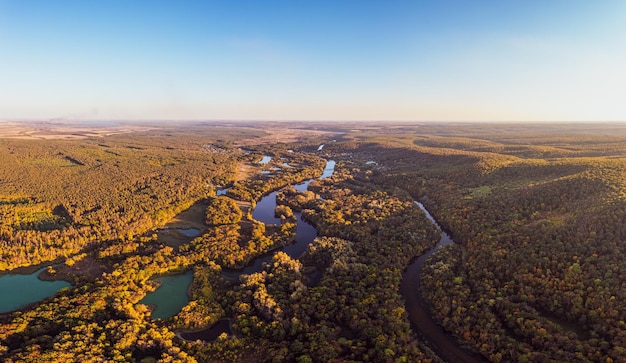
537, 211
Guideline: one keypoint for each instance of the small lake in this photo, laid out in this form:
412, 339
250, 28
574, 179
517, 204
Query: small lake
17, 290
171, 296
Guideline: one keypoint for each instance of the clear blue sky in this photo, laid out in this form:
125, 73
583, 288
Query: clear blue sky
313, 60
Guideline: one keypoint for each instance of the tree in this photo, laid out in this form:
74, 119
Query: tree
223, 210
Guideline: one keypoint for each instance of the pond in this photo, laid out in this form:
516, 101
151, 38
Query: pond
169, 298
17, 291
266, 159
189, 232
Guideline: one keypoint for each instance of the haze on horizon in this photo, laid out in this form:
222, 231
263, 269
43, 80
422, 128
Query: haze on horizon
554, 60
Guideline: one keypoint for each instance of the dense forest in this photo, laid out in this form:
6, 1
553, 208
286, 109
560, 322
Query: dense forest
536, 275
541, 223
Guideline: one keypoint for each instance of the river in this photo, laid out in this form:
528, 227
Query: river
264, 212
305, 232
171, 296
442, 343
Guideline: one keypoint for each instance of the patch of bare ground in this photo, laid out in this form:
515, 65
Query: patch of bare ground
244, 206
172, 237
87, 269
68, 131
195, 217
192, 217
244, 171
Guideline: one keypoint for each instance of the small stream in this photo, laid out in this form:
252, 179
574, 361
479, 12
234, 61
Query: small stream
443, 344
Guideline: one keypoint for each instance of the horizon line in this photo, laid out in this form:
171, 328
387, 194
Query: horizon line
121, 120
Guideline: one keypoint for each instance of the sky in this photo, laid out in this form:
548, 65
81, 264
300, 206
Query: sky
397, 60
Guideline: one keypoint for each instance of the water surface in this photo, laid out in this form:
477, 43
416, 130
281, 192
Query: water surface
266, 159
170, 297
189, 232
265, 209
329, 169
17, 290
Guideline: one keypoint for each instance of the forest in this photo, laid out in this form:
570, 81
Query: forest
538, 215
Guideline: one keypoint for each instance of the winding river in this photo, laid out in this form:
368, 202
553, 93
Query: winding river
264, 212
305, 232
445, 345
171, 296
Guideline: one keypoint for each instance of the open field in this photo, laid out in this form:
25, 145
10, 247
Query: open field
45, 130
